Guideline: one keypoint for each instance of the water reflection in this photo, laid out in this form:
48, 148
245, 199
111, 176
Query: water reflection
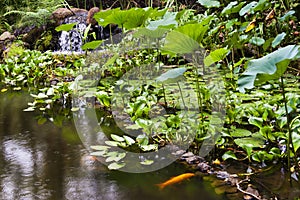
49, 162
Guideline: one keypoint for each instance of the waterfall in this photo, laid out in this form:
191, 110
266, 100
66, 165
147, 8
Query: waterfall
73, 40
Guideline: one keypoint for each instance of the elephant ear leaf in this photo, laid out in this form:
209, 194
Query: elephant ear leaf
269, 67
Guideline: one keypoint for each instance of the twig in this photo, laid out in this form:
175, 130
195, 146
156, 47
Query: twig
245, 192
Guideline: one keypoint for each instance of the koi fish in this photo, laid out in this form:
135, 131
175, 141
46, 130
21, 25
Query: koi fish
174, 180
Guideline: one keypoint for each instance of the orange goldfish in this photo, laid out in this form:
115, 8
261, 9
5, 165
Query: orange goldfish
175, 179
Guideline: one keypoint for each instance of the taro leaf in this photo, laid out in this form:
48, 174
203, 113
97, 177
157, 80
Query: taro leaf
65, 27
278, 39
136, 18
100, 147
231, 8
172, 75
103, 17
179, 43
145, 32
215, 56
257, 41
168, 21
149, 147
296, 140
287, 15
117, 138
247, 8
194, 31
115, 166
91, 45
128, 140
147, 162
269, 67
118, 17
142, 139
209, 3
229, 154
239, 132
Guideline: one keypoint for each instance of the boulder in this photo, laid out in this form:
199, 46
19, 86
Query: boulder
61, 13
90, 17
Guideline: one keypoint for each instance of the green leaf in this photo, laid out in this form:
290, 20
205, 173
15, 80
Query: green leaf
29, 109
65, 27
142, 139
168, 21
91, 45
101, 17
129, 140
268, 67
287, 15
117, 138
228, 155
194, 31
179, 43
215, 56
149, 147
231, 8
256, 121
155, 34
112, 143
172, 75
209, 3
247, 8
115, 166
115, 156
147, 162
240, 133
251, 142
100, 147
257, 41
278, 39
99, 153
296, 140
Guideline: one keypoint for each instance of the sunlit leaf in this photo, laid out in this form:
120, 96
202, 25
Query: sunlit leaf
129, 140
240, 133
179, 43
147, 162
296, 140
209, 3
91, 45
66, 27
168, 21
142, 139
74, 109
29, 109
117, 138
269, 67
3, 90
229, 155
215, 56
112, 143
247, 8
115, 166
100, 147
99, 153
172, 75
278, 39
149, 147
250, 26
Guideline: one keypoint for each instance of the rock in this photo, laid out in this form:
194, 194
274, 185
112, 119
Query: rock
90, 17
203, 167
7, 36
61, 13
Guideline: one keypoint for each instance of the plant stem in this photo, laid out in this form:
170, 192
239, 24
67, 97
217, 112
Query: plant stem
289, 139
181, 94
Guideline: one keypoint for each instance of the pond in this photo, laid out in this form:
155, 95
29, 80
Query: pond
44, 161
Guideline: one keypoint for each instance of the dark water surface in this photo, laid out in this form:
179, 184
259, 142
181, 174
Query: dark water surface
49, 162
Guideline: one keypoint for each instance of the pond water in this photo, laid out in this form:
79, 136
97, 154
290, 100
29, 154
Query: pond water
49, 162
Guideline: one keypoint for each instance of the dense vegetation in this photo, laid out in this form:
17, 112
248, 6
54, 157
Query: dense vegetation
253, 45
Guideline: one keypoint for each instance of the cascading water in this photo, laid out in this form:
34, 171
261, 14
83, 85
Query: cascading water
73, 40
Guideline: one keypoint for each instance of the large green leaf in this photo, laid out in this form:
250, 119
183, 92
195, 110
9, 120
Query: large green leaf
209, 3
269, 67
101, 17
257, 41
65, 27
154, 34
179, 43
91, 45
171, 75
136, 17
168, 21
194, 31
215, 56
232, 7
